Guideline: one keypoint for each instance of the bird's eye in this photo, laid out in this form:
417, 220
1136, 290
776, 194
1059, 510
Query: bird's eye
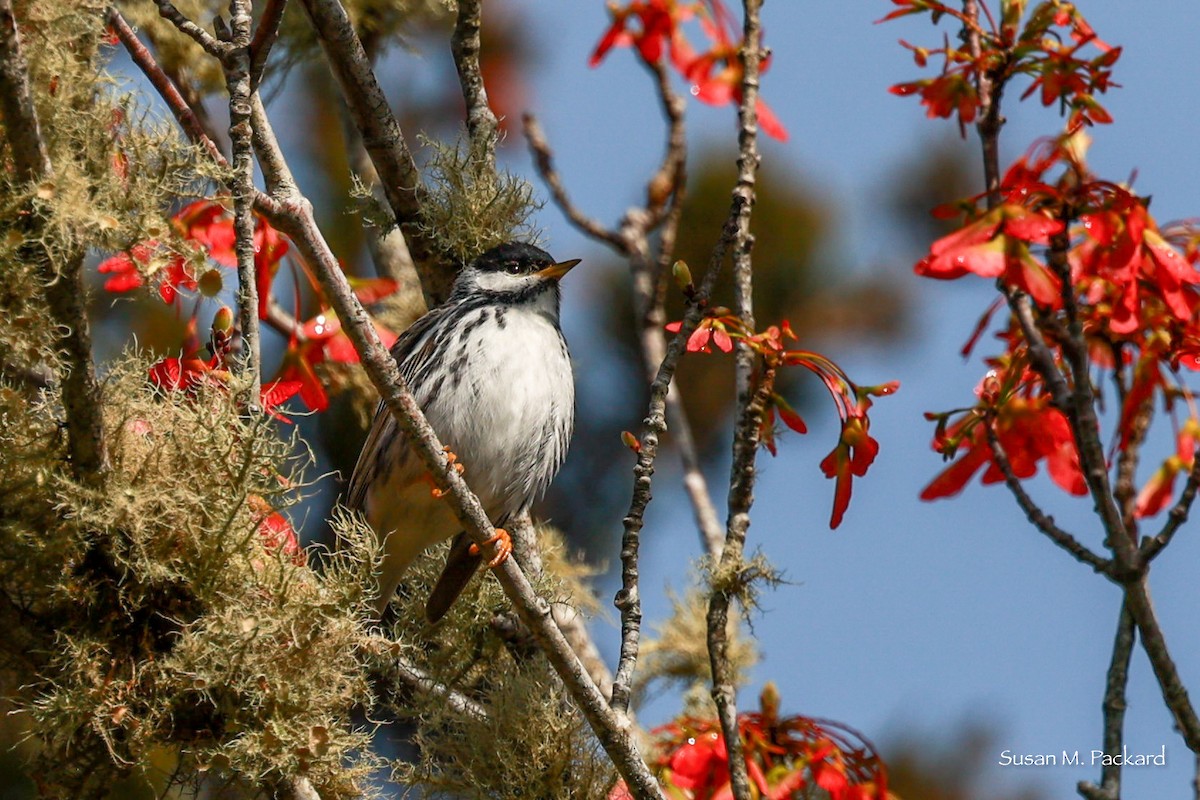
512, 268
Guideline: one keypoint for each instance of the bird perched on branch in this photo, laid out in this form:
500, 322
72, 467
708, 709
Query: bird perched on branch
491, 371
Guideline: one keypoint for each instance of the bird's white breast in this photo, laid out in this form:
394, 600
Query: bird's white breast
510, 408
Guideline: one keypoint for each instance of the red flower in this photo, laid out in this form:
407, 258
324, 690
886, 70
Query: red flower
269, 249
657, 27
1124, 261
1029, 429
715, 75
275, 393
943, 96
709, 331
854, 454
208, 224
700, 763
320, 339
276, 532
124, 267
856, 449
995, 245
1160, 489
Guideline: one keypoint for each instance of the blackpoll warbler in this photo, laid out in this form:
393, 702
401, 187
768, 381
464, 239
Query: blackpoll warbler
491, 371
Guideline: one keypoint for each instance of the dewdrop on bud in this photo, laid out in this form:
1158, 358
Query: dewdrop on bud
631, 441
989, 388
682, 275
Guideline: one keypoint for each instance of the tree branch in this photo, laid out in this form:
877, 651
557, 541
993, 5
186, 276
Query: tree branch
1038, 518
65, 294
166, 88
544, 161
214, 47
264, 39
465, 44
1114, 711
1174, 693
750, 405
238, 82
1178, 515
382, 137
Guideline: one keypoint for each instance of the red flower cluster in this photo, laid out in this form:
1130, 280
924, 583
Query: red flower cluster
786, 758
318, 340
1045, 48
1028, 428
653, 28
206, 229
855, 450
1088, 251
189, 373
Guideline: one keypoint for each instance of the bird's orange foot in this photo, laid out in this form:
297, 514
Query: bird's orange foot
452, 460
503, 548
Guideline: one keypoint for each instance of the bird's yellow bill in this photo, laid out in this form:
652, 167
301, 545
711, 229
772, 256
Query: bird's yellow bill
557, 270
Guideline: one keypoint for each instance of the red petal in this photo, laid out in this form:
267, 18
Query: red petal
372, 290
167, 374
770, 123
698, 341
721, 339
953, 478
790, 417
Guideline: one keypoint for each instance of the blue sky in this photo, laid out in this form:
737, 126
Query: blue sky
912, 617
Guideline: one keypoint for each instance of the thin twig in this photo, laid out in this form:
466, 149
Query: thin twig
665, 193
1114, 711
417, 680
1036, 516
237, 81
65, 294
750, 406
264, 39
166, 88
544, 160
214, 47
1178, 515
654, 425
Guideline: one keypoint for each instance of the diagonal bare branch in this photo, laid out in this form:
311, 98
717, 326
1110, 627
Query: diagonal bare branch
1040, 520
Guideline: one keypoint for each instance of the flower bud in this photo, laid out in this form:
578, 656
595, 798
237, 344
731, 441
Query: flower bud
682, 275
223, 320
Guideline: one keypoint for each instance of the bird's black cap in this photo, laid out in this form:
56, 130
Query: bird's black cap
514, 257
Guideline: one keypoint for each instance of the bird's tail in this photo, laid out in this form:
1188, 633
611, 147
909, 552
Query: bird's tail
461, 566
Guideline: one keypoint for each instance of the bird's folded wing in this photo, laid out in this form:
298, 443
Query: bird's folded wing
414, 351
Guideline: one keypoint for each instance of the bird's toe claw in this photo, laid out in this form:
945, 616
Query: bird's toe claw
503, 548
